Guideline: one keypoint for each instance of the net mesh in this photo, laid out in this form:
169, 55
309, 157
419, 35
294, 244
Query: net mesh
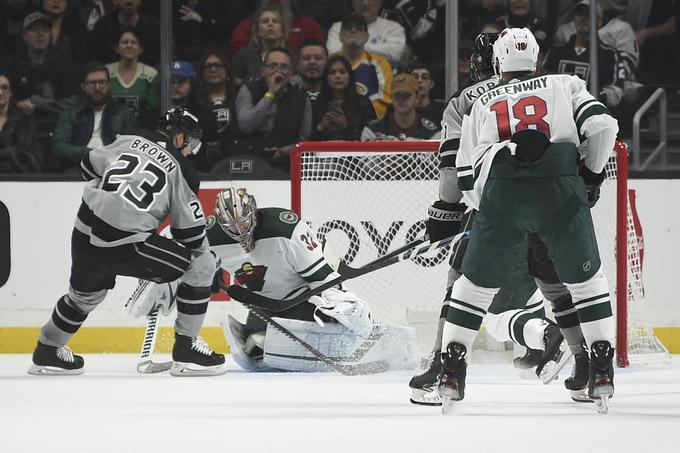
364, 203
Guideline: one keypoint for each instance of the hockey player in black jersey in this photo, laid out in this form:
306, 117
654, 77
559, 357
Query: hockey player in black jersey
133, 185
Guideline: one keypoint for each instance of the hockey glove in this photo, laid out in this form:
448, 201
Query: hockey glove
218, 283
593, 181
444, 219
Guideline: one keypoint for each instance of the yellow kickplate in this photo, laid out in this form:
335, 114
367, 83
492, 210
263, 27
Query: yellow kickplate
88, 340
669, 337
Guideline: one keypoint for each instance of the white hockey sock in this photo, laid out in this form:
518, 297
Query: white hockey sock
467, 308
533, 333
593, 305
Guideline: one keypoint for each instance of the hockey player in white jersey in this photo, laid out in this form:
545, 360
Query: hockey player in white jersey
274, 253
517, 313
522, 142
133, 185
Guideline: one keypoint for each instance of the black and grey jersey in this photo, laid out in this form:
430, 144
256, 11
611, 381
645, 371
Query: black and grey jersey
452, 119
133, 184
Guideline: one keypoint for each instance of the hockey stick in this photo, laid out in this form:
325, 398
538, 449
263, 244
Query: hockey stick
410, 250
145, 365
338, 364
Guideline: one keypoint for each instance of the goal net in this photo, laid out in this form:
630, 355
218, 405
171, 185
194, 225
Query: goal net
364, 199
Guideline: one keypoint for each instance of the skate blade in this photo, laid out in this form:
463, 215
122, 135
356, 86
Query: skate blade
149, 367
552, 369
181, 369
602, 404
448, 406
40, 370
581, 396
425, 397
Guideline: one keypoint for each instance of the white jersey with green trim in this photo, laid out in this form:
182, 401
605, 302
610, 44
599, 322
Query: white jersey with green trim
557, 104
287, 257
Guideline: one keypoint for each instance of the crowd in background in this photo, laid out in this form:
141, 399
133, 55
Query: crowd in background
264, 75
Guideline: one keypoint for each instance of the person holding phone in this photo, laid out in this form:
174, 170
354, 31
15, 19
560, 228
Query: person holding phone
341, 112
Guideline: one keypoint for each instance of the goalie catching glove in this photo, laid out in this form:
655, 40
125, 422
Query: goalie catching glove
444, 219
344, 306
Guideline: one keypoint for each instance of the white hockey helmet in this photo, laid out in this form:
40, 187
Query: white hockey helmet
236, 212
516, 50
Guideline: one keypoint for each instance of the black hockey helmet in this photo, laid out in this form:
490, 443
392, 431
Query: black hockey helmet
481, 60
178, 120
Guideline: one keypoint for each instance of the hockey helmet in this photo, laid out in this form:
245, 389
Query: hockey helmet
178, 120
481, 60
236, 213
516, 50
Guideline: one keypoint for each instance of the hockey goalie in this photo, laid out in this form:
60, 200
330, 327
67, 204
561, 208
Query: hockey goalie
272, 252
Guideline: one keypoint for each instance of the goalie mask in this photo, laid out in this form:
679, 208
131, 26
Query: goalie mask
178, 120
481, 60
236, 212
516, 50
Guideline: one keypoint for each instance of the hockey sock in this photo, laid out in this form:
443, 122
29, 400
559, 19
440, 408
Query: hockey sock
567, 320
467, 308
192, 304
64, 323
593, 305
440, 328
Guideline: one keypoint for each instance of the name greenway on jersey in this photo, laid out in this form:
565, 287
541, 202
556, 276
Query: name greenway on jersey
514, 88
158, 153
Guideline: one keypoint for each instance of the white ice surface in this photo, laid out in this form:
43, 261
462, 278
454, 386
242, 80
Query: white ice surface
113, 409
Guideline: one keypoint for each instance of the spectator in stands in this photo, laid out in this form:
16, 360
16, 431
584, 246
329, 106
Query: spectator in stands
268, 31
310, 68
96, 121
19, 148
402, 122
475, 14
384, 37
66, 34
341, 113
205, 22
654, 25
103, 40
43, 77
134, 84
613, 32
574, 58
90, 11
325, 12
520, 15
430, 109
183, 81
273, 114
373, 73
215, 111
299, 28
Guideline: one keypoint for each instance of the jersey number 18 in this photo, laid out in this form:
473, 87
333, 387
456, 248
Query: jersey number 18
530, 111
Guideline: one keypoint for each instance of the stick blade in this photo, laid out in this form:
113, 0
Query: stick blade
149, 367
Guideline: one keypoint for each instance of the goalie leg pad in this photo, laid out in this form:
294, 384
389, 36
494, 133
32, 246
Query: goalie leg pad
237, 337
391, 343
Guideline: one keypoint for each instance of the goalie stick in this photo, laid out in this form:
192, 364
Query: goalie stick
415, 248
145, 365
339, 364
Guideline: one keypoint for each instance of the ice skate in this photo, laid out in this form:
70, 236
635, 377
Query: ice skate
529, 360
555, 355
52, 361
424, 386
193, 357
601, 375
452, 384
577, 383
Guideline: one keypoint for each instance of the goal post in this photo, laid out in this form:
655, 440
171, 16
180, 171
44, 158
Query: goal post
364, 199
